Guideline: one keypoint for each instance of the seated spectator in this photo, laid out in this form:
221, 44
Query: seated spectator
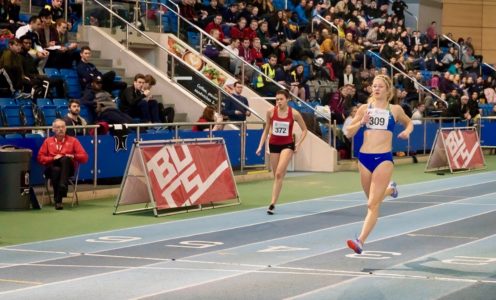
35, 79
216, 24
237, 30
209, 115
107, 110
37, 51
11, 61
74, 119
86, 71
233, 110
265, 84
89, 93
56, 9
459, 109
67, 53
490, 94
418, 113
9, 15
297, 82
59, 154
166, 115
137, 102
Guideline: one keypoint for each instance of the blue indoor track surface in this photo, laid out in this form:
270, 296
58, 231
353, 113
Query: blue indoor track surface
437, 240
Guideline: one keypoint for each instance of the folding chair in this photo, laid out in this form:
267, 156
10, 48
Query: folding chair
73, 181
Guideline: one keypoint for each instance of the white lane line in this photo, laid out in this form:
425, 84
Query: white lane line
38, 251
296, 259
443, 236
402, 264
438, 183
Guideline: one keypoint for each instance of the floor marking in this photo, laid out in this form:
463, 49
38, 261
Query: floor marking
326, 198
300, 258
401, 264
38, 251
20, 281
443, 236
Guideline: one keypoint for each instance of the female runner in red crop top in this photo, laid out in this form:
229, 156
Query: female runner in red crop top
280, 121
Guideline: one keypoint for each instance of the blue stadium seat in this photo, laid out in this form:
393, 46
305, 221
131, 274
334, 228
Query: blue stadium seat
7, 101
73, 88
29, 119
85, 114
13, 136
62, 111
48, 114
69, 73
33, 136
24, 101
12, 115
194, 39
60, 102
486, 109
43, 102
50, 72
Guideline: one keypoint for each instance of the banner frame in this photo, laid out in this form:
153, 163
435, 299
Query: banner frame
151, 204
450, 167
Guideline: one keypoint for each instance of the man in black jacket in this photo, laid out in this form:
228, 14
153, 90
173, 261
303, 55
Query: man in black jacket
137, 102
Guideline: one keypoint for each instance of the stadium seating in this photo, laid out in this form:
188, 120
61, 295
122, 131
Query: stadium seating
28, 115
13, 136
48, 114
12, 115
60, 102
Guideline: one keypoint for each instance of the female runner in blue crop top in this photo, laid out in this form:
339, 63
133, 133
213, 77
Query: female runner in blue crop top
375, 157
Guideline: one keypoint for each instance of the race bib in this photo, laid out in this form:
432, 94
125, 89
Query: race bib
280, 128
379, 118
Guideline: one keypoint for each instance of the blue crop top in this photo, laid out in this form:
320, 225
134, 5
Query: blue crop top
380, 119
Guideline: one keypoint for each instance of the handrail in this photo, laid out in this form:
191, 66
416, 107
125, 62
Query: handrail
245, 63
332, 25
457, 45
170, 53
489, 66
412, 79
411, 14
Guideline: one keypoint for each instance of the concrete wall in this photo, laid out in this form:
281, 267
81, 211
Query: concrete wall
315, 155
476, 19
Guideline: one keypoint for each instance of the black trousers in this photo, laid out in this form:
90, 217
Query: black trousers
59, 173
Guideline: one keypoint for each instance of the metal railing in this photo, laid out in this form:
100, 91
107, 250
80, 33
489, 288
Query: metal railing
454, 43
426, 89
177, 58
321, 19
49, 128
202, 35
244, 63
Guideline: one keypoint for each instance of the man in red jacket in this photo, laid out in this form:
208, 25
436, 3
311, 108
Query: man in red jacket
60, 153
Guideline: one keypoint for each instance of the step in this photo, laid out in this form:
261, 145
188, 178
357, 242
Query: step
101, 62
180, 117
119, 71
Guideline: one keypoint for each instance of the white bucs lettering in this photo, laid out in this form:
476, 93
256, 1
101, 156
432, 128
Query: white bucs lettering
378, 118
455, 143
171, 172
280, 128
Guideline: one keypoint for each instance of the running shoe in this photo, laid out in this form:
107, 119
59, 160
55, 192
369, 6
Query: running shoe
355, 245
394, 186
270, 211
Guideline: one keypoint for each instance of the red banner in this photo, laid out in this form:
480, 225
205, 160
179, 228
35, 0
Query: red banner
463, 149
184, 175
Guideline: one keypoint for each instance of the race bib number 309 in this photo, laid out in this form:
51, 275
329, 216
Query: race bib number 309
378, 118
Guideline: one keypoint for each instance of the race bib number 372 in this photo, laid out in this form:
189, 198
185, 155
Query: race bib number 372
280, 128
